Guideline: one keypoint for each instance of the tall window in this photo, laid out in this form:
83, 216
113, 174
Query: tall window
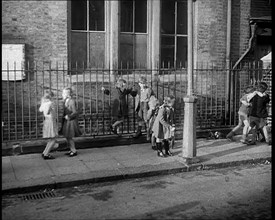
134, 16
174, 33
87, 34
133, 38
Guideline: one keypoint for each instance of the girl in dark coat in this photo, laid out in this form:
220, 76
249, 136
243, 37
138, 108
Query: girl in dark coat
120, 106
70, 127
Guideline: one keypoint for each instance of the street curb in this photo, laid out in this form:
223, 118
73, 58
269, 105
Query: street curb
37, 146
186, 168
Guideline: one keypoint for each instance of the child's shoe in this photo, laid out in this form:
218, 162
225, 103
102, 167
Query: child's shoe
250, 142
230, 135
244, 139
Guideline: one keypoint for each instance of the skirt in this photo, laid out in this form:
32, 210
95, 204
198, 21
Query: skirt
49, 128
71, 129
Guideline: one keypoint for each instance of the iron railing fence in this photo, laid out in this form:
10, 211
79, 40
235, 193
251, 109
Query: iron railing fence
23, 89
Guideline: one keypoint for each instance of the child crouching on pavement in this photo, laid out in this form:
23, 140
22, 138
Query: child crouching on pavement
163, 126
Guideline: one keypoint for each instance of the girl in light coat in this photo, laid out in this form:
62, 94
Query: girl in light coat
164, 127
49, 124
141, 106
151, 116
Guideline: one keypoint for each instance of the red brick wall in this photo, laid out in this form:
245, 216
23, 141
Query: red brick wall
41, 25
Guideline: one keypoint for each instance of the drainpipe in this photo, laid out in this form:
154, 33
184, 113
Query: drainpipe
253, 28
228, 47
231, 82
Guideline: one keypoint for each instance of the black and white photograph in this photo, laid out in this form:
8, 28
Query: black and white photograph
136, 109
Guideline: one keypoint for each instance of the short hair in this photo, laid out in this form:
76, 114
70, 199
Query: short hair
142, 80
249, 89
119, 82
168, 99
263, 85
171, 97
68, 89
48, 94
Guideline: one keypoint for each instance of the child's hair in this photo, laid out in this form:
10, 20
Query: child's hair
119, 83
168, 99
249, 89
69, 90
263, 86
47, 95
153, 102
142, 80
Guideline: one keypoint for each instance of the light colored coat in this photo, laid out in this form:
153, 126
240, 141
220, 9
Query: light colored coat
49, 124
162, 127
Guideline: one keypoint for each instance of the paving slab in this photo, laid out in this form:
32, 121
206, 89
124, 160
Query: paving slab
30, 172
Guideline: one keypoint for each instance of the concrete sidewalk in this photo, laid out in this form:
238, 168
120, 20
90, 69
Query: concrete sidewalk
29, 172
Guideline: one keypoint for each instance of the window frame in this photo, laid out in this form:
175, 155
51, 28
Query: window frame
88, 31
175, 35
134, 13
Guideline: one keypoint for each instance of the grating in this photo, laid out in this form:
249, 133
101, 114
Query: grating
37, 196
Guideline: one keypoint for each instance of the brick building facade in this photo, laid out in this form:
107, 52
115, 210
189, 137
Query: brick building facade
45, 27
109, 34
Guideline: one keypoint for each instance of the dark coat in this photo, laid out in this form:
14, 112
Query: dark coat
120, 105
259, 106
70, 128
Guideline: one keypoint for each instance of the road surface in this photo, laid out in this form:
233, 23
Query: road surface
242, 192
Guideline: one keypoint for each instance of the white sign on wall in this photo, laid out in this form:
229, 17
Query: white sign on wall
13, 62
267, 61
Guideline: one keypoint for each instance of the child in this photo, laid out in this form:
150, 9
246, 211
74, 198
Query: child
70, 127
258, 112
243, 116
164, 126
141, 106
120, 107
151, 116
49, 124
